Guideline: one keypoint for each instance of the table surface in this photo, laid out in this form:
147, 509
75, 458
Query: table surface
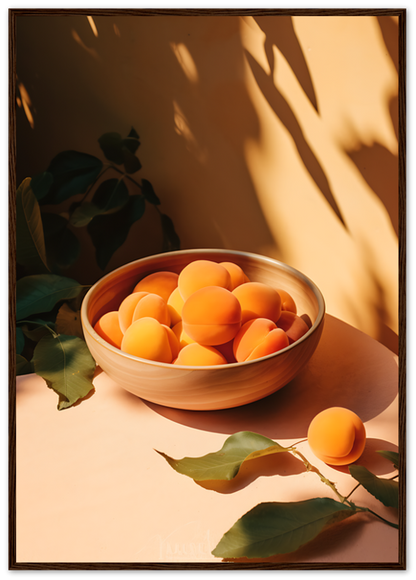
92, 489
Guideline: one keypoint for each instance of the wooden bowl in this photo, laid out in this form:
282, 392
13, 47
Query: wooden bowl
208, 387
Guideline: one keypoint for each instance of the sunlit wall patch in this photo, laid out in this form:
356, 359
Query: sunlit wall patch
185, 60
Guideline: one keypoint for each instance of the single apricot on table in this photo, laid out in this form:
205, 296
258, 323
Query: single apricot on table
108, 327
201, 273
211, 316
147, 338
337, 436
258, 300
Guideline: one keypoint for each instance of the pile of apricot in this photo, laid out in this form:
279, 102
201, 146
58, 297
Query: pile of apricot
208, 314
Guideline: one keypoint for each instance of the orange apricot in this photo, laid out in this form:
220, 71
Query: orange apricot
154, 306
287, 301
127, 307
198, 355
162, 283
108, 328
147, 338
294, 326
237, 274
337, 436
211, 316
201, 273
258, 337
181, 335
258, 300
175, 305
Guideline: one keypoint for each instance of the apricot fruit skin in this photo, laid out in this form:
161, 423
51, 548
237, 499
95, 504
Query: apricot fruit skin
162, 283
153, 306
127, 307
211, 316
108, 327
147, 338
287, 301
201, 273
237, 274
337, 436
258, 300
294, 326
181, 335
175, 305
257, 338
195, 354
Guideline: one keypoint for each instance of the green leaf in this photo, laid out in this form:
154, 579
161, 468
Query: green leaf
111, 194
109, 232
37, 329
67, 367
385, 490
279, 528
23, 366
133, 134
149, 192
30, 241
20, 340
391, 456
40, 293
73, 172
171, 239
41, 184
131, 144
131, 162
62, 246
69, 322
111, 145
225, 463
83, 214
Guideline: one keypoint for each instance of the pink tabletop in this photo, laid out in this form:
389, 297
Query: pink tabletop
91, 487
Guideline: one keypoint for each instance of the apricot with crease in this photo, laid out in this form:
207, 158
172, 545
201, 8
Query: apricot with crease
337, 436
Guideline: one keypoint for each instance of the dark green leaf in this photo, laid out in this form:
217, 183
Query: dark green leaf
111, 194
225, 463
109, 232
279, 528
149, 192
62, 246
37, 329
69, 322
23, 366
66, 365
171, 239
41, 184
392, 456
83, 214
30, 241
131, 162
73, 173
133, 134
385, 490
40, 293
111, 145
20, 340
131, 144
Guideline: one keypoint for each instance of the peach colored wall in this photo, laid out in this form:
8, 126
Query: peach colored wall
275, 135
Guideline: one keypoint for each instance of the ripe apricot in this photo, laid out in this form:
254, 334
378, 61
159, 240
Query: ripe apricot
201, 273
154, 306
211, 316
181, 335
287, 301
237, 274
162, 283
108, 328
258, 300
175, 305
294, 326
198, 355
147, 338
127, 307
337, 436
258, 337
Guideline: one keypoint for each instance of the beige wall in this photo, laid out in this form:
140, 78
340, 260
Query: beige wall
275, 135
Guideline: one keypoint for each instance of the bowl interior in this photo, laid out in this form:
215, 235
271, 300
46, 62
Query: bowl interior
108, 293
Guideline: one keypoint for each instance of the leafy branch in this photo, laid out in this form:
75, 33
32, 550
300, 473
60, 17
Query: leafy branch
49, 337
272, 528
